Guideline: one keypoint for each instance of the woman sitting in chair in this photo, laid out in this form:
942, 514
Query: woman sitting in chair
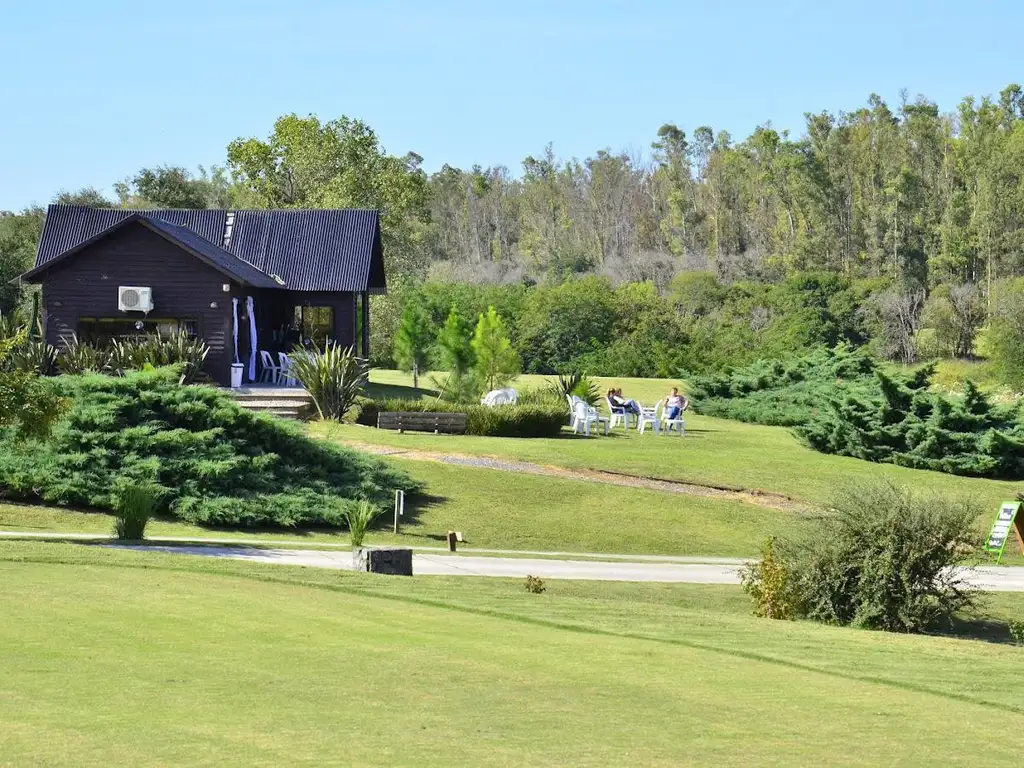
675, 405
618, 401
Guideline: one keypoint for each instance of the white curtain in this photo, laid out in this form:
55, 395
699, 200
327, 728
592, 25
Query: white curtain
251, 306
234, 308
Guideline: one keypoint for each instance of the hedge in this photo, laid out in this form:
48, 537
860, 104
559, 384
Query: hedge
499, 421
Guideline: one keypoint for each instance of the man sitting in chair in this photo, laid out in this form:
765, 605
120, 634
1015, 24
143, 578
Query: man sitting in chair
675, 405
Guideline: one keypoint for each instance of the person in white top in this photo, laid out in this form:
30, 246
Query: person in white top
675, 404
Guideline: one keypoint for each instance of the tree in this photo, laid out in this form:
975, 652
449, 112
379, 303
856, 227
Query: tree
898, 317
412, 340
496, 360
955, 313
175, 187
338, 164
456, 355
19, 236
1006, 334
454, 346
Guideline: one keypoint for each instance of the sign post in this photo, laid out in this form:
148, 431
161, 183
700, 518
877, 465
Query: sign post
1006, 520
399, 507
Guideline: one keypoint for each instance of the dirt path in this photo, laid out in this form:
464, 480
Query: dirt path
760, 498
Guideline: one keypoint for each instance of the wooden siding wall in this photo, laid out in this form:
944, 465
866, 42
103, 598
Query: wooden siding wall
183, 287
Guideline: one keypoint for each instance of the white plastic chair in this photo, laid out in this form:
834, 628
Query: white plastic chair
284, 376
584, 415
679, 423
270, 372
649, 416
618, 415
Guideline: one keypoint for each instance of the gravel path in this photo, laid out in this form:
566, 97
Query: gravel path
760, 498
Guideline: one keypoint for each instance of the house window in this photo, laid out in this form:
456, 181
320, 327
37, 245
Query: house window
316, 324
103, 330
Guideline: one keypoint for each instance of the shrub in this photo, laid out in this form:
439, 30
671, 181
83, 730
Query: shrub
1016, 627
333, 376
535, 585
359, 516
500, 421
578, 384
783, 393
27, 408
216, 463
901, 422
184, 352
882, 560
135, 504
76, 357
35, 356
768, 583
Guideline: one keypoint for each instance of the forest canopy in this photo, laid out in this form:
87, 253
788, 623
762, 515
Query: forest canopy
889, 217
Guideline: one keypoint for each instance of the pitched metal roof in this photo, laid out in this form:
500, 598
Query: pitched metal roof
68, 226
310, 250
302, 247
204, 250
217, 257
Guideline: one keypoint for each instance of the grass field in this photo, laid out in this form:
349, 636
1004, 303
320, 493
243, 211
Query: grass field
505, 511
716, 451
166, 659
508, 511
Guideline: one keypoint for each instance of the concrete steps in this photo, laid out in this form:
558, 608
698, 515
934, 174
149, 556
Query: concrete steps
286, 402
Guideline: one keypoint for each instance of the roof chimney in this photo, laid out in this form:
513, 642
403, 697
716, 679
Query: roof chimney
229, 224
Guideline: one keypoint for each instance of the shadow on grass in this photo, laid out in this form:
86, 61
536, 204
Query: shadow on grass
978, 628
399, 391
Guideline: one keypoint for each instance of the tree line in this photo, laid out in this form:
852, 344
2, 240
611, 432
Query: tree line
919, 211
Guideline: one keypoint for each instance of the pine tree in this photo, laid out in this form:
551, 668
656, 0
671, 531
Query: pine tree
454, 344
455, 350
496, 360
412, 340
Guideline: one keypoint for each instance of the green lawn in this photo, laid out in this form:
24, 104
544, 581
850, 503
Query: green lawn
504, 510
147, 659
716, 451
501, 510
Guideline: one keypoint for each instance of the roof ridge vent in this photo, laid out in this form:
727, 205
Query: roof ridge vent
229, 224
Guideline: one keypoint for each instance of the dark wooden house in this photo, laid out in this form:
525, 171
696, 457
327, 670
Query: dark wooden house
305, 274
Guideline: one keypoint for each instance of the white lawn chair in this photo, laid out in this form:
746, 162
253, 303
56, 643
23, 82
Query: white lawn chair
618, 415
270, 372
584, 415
506, 396
679, 423
649, 416
284, 376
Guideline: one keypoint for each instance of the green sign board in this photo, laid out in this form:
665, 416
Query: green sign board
1001, 528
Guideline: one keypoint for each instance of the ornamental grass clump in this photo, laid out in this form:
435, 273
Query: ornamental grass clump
359, 516
134, 504
333, 376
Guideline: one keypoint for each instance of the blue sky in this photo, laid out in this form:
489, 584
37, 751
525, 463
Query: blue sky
91, 92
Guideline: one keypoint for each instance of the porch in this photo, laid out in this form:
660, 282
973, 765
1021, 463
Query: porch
285, 320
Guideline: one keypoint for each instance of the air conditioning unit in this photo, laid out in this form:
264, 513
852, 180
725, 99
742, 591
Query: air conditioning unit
134, 299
